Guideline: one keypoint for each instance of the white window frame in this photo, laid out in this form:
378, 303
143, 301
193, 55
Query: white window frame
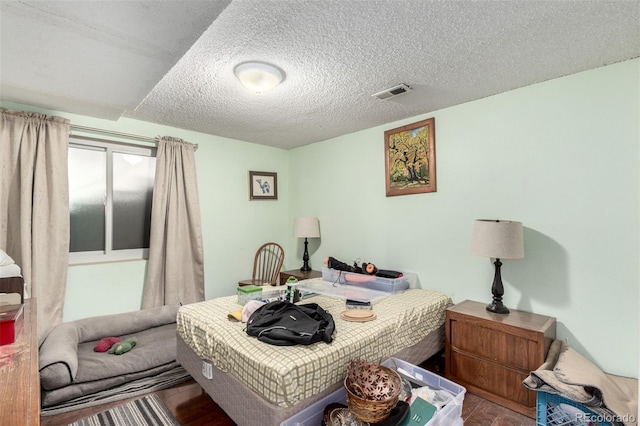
109, 254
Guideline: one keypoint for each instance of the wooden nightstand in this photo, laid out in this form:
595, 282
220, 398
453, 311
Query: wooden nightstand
300, 275
491, 354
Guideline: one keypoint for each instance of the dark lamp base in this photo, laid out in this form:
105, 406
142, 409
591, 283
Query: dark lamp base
305, 257
497, 290
497, 308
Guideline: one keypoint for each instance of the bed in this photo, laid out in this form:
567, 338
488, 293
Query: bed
11, 282
257, 383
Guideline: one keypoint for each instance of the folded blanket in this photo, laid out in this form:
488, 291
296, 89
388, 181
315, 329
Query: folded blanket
567, 373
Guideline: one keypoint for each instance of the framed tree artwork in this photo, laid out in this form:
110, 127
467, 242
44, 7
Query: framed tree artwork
263, 186
410, 158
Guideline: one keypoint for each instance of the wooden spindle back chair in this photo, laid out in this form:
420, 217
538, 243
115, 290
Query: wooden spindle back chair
266, 265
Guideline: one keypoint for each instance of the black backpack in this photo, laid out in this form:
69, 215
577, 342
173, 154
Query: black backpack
282, 323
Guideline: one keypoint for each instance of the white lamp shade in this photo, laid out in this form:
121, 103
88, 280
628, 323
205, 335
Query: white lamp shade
258, 76
306, 227
499, 239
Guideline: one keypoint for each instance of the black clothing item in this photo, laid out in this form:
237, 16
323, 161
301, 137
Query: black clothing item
334, 263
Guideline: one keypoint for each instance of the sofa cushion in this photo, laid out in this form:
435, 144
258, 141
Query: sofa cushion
156, 346
58, 357
95, 328
107, 389
68, 350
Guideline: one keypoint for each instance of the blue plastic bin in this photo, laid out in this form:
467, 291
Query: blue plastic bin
555, 410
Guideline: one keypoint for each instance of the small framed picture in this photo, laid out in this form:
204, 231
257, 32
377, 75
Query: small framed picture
410, 158
263, 186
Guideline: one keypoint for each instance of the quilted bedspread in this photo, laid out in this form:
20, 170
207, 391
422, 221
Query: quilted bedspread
285, 375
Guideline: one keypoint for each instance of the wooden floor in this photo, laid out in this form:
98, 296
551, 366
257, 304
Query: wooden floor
477, 411
192, 407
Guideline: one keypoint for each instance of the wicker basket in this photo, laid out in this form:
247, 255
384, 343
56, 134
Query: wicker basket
372, 411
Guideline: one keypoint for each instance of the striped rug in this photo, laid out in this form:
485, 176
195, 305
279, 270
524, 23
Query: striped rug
146, 411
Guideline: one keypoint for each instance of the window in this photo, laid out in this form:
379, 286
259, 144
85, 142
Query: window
110, 194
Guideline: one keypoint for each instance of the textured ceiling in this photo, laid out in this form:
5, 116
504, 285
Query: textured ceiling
171, 62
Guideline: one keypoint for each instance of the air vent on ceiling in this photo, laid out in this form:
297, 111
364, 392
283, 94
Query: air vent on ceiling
398, 90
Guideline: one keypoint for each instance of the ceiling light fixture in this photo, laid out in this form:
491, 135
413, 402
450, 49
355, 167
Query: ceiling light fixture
259, 77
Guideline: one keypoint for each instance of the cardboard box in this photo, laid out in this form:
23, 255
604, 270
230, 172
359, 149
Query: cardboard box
11, 318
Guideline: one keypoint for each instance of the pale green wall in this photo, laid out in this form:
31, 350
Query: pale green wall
562, 157
232, 226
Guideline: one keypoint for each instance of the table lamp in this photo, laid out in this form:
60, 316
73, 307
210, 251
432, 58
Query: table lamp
498, 239
306, 227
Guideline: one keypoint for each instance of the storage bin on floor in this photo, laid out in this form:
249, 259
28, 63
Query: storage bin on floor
449, 415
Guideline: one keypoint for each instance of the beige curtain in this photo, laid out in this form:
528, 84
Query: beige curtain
34, 206
175, 273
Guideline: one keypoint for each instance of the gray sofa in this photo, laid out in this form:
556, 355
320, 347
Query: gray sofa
70, 368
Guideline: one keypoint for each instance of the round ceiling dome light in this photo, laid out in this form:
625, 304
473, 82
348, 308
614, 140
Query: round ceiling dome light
259, 77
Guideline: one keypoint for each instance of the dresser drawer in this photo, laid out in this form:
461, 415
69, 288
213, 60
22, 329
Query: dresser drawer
491, 354
494, 378
507, 349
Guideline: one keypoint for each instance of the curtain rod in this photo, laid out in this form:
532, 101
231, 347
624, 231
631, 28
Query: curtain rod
121, 134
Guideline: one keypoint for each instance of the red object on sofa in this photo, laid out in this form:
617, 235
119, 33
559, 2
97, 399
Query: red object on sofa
10, 323
105, 344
